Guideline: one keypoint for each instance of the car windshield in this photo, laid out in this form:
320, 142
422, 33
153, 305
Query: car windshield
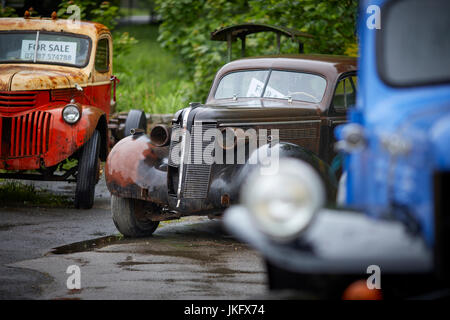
44, 47
413, 43
272, 84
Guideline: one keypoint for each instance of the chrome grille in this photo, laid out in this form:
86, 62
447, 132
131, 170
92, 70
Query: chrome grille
173, 144
198, 173
301, 133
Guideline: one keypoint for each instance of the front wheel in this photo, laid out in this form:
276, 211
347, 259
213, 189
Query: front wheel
88, 172
128, 216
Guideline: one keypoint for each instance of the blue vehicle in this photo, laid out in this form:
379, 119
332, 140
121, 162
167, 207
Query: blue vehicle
393, 237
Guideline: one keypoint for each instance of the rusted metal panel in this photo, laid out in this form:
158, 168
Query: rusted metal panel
90, 29
138, 169
32, 97
43, 134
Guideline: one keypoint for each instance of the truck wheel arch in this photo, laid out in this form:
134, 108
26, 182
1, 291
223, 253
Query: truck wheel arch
102, 127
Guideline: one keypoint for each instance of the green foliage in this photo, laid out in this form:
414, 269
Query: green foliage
150, 78
123, 43
188, 23
7, 12
104, 12
14, 193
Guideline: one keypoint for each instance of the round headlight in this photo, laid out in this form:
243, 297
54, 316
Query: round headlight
227, 138
71, 113
284, 204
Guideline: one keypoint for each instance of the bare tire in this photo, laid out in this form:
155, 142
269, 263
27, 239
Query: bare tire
87, 177
127, 217
136, 119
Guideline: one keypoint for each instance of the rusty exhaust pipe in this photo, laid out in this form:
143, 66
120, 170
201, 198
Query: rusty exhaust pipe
160, 135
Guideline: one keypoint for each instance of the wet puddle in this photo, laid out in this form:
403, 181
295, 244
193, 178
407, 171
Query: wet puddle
9, 226
89, 245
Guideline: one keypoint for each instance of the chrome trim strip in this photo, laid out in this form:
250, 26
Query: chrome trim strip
266, 123
338, 121
182, 155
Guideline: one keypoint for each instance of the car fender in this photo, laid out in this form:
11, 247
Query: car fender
337, 242
93, 119
65, 139
136, 168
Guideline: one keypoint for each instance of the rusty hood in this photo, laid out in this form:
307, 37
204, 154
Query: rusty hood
24, 77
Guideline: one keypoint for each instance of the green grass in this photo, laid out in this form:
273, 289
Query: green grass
14, 193
150, 78
134, 11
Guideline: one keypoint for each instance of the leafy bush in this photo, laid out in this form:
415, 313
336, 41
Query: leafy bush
104, 12
149, 77
187, 25
7, 12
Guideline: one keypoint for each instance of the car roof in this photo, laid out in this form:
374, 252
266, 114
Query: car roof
326, 65
91, 29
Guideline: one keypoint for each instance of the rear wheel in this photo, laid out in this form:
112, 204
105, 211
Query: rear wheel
129, 217
136, 119
88, 172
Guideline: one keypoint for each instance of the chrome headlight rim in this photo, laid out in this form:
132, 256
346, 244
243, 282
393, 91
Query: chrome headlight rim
302, 205
71, 106
228, 132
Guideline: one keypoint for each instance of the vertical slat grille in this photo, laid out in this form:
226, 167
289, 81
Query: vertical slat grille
29, 134
174, 143
197, 177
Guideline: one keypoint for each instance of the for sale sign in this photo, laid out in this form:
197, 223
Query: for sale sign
49, 51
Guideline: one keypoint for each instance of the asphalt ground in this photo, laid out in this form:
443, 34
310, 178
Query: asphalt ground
191, 258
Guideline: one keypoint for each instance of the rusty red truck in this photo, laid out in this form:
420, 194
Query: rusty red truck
57, 94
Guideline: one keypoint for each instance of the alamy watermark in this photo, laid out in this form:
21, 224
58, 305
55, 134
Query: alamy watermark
374, 280
374, 19
74, 280
74, 20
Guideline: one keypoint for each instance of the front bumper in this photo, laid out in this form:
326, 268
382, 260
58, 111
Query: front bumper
338, 243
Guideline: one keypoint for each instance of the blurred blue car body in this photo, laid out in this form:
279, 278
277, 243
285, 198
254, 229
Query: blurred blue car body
396, 163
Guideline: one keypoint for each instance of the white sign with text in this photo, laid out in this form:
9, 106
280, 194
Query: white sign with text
49, 51
256, 87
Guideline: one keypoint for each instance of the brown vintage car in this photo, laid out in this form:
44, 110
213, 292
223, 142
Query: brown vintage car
293, 103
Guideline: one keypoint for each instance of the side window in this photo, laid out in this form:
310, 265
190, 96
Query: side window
345, 94
102, 56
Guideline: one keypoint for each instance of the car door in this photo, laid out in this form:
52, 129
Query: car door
344, 97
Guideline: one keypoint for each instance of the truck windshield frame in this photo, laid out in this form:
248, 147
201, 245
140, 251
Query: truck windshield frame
412, 32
